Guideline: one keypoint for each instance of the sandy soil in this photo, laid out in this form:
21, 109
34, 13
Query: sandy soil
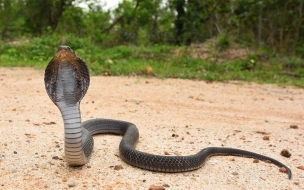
177, 117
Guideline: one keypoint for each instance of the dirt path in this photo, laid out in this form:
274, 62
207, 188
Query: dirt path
178, 117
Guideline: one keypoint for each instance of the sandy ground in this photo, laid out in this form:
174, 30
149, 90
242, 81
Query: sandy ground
177, 117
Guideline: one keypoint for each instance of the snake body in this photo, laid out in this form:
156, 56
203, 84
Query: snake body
67, 80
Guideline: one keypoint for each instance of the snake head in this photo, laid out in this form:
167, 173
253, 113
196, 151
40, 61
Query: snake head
63, 47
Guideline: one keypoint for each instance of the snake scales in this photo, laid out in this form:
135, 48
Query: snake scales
67, 80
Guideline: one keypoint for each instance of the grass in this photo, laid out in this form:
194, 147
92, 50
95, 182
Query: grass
162, 59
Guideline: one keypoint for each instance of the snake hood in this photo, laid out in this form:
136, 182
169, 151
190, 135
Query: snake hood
65, 54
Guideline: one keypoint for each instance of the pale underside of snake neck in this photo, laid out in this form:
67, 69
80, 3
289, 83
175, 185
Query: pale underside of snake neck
64, 83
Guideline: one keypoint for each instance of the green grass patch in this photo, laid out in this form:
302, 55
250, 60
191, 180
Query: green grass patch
163, 60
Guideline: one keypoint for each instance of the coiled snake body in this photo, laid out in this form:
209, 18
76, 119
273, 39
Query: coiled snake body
67, 80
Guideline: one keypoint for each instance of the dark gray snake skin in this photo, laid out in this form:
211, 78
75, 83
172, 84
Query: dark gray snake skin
67, 80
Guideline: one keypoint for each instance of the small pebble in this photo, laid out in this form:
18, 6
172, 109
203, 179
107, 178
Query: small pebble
296, 183
235, 173
177, 153
285, 153
155, 187
262, 133
256, 161
55, 157
118, 167
266, 138
71, 183
15, 152
294, 127
283, 170
300, 167
166, 185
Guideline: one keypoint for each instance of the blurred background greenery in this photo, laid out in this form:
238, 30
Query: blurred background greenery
214, 40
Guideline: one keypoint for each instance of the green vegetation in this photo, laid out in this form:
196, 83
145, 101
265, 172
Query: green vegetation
210, 40
163, 61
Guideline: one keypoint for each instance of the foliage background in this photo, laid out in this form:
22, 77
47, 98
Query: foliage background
175, 38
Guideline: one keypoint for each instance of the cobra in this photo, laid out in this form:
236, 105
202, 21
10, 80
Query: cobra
67, 80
